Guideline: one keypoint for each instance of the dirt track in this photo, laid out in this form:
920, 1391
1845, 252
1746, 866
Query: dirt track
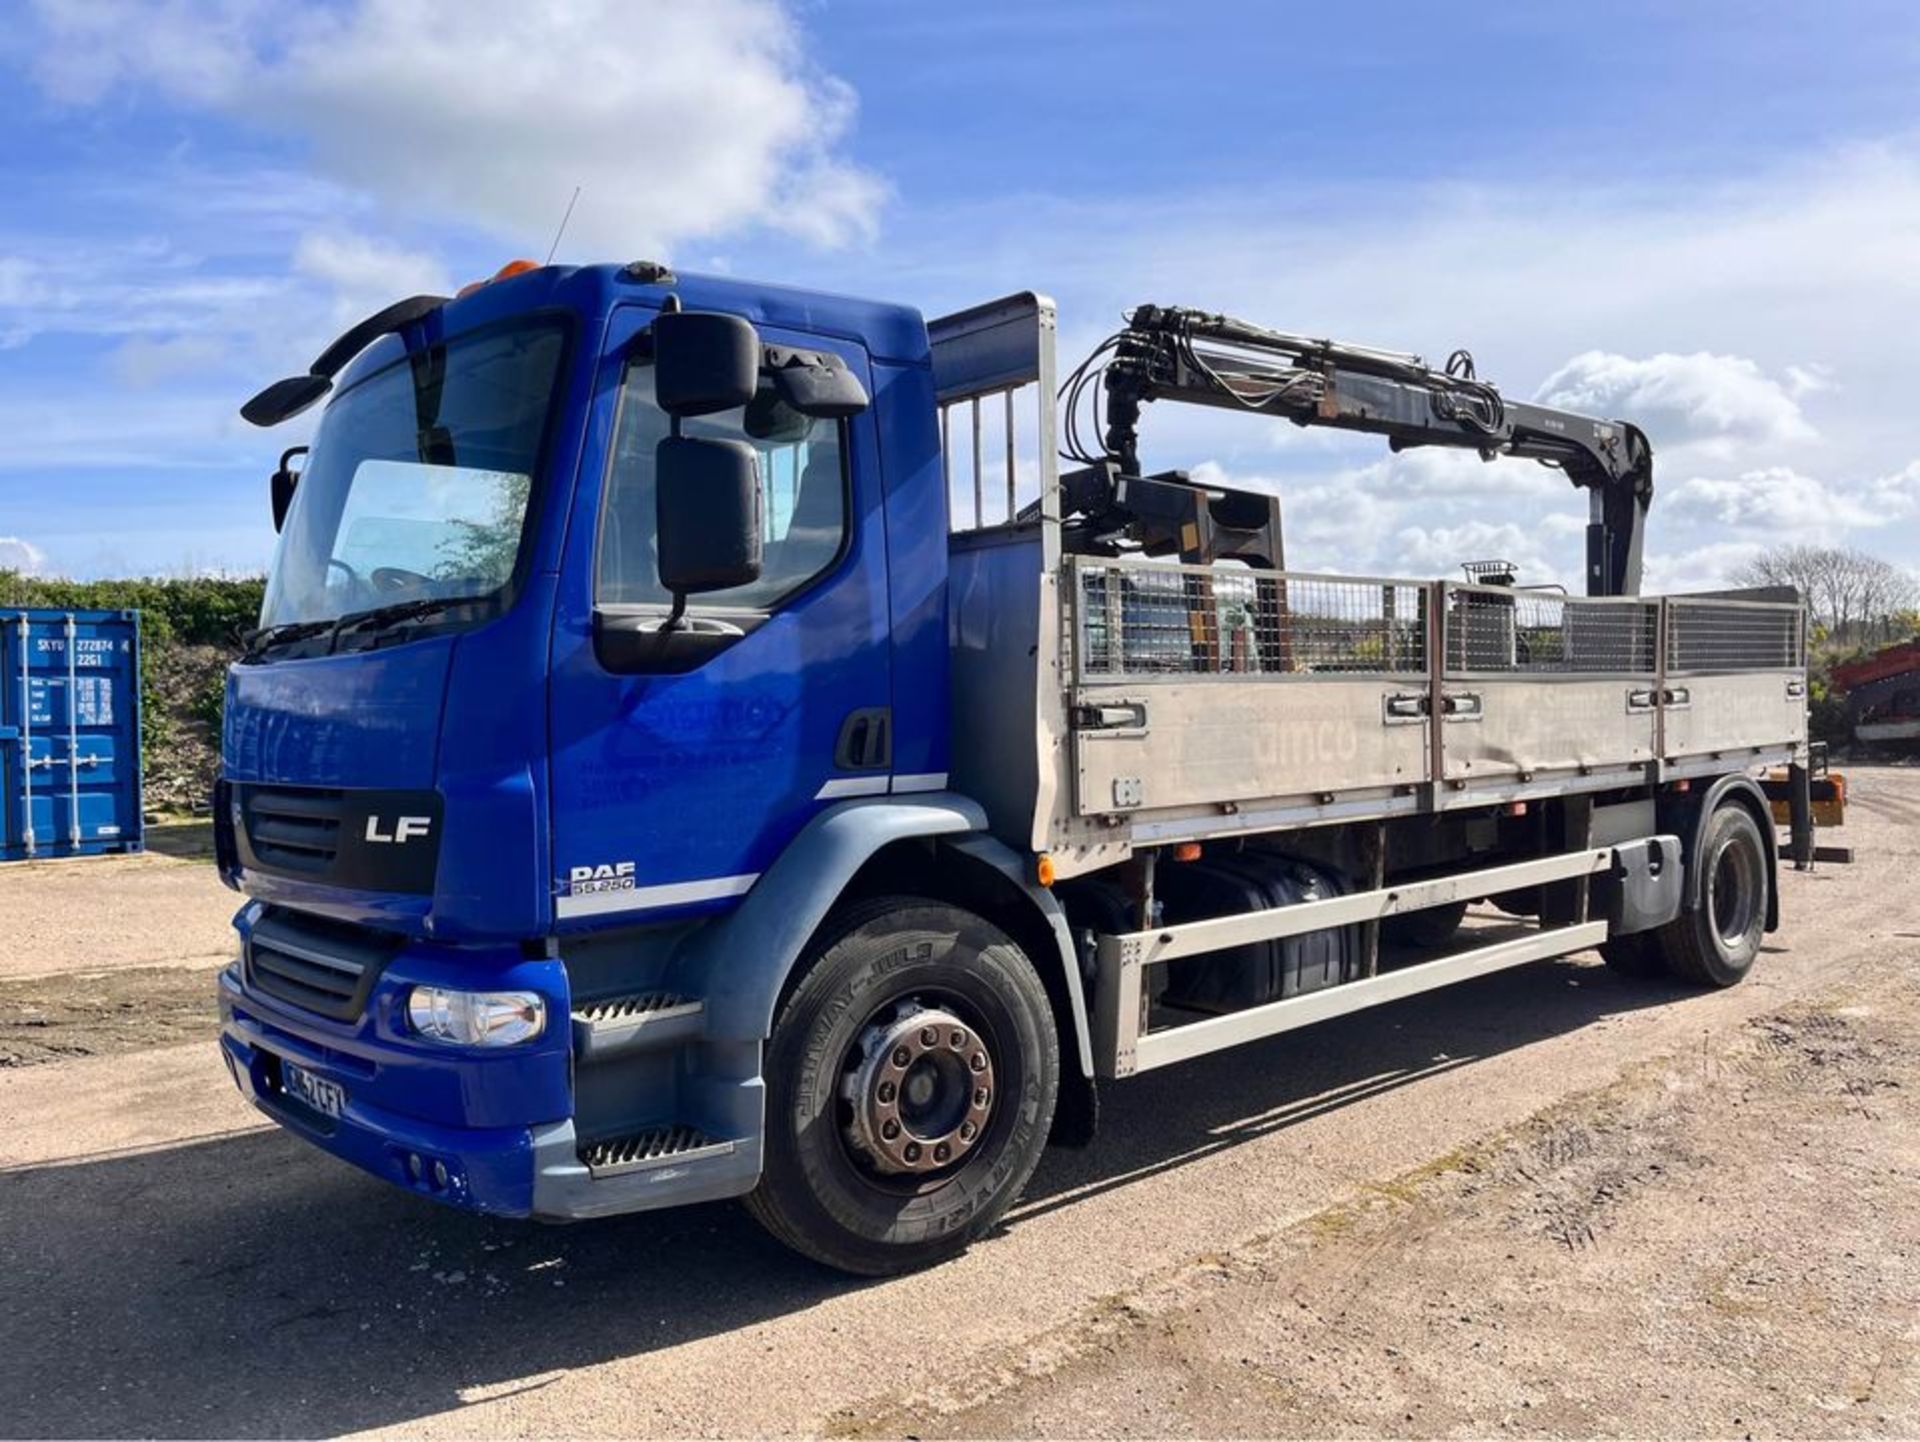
1547, 1202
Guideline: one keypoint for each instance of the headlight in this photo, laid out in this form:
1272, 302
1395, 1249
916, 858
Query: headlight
476, 1018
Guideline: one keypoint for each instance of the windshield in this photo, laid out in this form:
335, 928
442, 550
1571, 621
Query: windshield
418, 483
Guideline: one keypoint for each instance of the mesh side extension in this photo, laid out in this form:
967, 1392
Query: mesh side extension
1498, 629
649, 1148
1147, 620
646, 1005
1734, 636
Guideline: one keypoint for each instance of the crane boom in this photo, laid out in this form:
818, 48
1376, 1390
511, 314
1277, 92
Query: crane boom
1177, 354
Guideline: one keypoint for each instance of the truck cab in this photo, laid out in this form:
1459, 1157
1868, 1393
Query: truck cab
473, 794
640, 798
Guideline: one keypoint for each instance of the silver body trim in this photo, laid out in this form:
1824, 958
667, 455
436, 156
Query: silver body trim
644, 898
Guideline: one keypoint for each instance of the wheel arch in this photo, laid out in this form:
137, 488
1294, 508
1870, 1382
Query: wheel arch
934, 845
742, 962
1686, 814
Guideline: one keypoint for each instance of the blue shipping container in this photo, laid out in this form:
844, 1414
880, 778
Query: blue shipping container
69, 732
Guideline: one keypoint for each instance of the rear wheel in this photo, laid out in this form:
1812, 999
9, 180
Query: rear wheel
1714, 942
911, 1080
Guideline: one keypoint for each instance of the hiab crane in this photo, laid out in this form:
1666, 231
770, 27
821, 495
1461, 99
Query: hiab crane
1171, 353
650, 784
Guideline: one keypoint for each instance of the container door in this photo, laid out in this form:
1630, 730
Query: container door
13, 775
69, 745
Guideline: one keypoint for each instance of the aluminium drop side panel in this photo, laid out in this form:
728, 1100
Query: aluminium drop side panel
69, 733
1727, 715
1212, 742
1735, 680
1209, 702
1540, 685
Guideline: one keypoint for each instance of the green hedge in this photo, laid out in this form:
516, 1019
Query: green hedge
195, 611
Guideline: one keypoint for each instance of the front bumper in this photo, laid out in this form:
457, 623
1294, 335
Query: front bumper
486, 1130
406, 1116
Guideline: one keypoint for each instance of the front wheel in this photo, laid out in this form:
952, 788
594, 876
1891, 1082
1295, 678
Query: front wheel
911, 1079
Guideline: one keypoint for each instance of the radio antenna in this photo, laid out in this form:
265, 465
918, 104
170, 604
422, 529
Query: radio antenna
563, 226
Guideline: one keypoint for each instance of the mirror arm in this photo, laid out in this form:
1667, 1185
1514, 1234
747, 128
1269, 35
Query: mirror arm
677, 612
675, 615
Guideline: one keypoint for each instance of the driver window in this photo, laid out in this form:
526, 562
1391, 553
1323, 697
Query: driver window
803, 498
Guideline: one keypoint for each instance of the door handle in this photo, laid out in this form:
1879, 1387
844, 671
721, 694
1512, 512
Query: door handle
1463, 705
1125, 716
1402, 708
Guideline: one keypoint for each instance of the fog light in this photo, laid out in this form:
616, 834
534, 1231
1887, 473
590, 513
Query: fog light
476, 1018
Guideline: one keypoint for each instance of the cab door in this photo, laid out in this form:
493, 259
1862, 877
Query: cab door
683, 761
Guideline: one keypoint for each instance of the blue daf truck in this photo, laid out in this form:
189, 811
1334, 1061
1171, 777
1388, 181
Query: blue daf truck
700, 743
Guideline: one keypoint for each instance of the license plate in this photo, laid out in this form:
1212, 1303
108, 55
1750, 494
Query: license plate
328, 1098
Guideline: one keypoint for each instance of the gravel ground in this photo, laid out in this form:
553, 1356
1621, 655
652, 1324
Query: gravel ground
97, 913
1548, 1202
103, 1013
1725, 1243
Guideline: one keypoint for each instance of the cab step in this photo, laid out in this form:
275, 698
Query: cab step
618, 1024
669, 1144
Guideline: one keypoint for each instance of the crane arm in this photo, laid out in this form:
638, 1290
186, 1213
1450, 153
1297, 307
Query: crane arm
1175, 354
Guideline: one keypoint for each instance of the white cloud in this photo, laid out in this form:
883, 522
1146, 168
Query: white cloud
1810, 379
1422, 514
364, 274
19, 554
143, 362
1697, 399
676, 120
1774, 498
1701, 568
1779, 501
1898, 495
1442, 550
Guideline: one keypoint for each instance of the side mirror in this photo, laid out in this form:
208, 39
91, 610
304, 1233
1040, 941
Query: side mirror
703, 361
285, 399
282, 486
816, 383
707, 514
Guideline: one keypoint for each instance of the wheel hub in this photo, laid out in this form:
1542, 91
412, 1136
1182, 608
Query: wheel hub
921, 1089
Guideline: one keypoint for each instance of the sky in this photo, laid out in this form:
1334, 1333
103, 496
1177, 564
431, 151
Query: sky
1704, 218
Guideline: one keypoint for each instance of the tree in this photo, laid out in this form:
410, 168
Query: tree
1859, 599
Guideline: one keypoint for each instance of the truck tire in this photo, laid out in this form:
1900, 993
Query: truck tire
911, 1079
1714, 941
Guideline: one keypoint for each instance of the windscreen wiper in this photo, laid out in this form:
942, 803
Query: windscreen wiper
381, 617
256, 641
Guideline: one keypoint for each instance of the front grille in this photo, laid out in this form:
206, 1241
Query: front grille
323, 967
294, 828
